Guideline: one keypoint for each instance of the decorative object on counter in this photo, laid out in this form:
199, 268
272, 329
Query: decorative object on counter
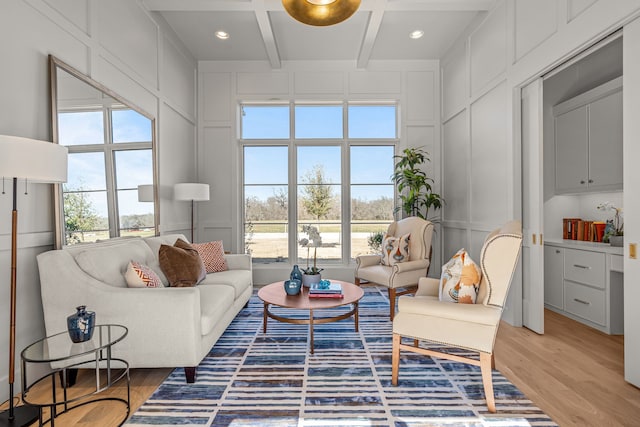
292, 287
599, 230
80, 324
615, 226
311, 274
296, 274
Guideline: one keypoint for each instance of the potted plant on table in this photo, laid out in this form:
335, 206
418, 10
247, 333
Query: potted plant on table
614, 230
311, 274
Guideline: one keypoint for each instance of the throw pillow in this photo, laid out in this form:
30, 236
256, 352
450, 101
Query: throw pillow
395, 249
141, 276
181, 264
212, 254
460, 280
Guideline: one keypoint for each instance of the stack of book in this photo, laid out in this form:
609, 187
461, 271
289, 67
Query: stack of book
324, 289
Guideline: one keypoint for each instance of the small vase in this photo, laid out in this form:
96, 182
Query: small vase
80, 324
616, 240
292, 287
310, 279
296, 274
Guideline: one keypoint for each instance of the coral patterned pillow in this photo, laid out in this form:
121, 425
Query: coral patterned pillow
212, 254
460, 280
395, 249
141, 276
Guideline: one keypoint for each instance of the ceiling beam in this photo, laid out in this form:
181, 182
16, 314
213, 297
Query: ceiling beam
370, 34
267, 33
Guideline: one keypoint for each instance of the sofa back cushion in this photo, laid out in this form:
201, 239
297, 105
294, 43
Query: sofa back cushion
108, 263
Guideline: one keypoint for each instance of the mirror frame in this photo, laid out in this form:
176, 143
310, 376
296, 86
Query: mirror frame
54, 64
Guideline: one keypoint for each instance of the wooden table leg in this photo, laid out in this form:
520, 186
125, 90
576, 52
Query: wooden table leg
311, 328
264, 318
356, 314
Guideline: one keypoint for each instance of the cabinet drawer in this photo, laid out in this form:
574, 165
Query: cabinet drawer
584, 267
585, 302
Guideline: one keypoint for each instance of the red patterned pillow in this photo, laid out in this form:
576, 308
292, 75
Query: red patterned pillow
212, 254
141, 276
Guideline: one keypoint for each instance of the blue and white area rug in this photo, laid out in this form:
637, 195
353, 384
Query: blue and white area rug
255, 379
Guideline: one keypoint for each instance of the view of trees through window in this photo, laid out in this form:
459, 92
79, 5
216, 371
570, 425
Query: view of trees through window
325, 193
110, 154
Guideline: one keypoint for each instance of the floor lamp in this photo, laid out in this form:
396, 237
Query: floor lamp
191, 191
33, 161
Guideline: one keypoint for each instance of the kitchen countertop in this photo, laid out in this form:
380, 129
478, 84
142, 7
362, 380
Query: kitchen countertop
588, 246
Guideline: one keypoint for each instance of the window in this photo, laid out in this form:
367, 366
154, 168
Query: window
110, 154
318, 191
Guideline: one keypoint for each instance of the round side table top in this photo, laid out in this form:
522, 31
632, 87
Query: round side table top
275, 294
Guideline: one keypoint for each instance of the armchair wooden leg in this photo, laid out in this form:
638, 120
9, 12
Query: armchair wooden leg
356, 281
416, 343
493, 361
392, 303
487, 380
395, 359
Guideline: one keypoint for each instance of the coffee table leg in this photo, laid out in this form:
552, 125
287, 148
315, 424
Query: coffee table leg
356, 314
264, 318
311, 328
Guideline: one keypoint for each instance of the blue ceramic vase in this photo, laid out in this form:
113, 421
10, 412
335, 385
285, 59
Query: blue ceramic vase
292, 287
80, 324
296, 273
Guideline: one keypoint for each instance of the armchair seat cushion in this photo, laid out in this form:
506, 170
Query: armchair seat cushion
461, 325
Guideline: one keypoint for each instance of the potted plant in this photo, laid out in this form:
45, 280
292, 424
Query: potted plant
311, 274
415, 189
375, 241
614, 230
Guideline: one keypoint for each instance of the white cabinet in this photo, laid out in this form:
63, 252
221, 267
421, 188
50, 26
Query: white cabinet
588, 140
583, 281
553, 276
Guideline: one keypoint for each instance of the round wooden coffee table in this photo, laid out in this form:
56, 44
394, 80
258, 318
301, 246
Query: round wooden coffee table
274, 294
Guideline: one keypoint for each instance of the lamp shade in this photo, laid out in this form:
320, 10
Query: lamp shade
191, 191
145, 193
38, 161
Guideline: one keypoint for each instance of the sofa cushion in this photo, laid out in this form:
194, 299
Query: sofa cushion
212, 254
181, 264
238, 280
395, 249
215, 300
109, 263
460, 280
141, 276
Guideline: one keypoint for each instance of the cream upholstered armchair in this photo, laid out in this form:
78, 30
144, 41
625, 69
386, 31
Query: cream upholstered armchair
468, 326
403, 274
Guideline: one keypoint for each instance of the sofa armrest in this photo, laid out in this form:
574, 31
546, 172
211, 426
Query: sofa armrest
368, 260
428, 286
238, 261
420, 264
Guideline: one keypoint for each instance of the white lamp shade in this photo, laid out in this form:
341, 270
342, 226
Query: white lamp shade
38, 161
145, 193
191, 191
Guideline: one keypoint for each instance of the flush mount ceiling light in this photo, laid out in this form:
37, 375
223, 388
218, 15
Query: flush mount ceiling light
416, 34
222, 35
321, 12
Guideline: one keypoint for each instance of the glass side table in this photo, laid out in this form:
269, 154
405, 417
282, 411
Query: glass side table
62, 355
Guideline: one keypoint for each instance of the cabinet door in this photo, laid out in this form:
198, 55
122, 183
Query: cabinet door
571, 151
605, 143
553, 276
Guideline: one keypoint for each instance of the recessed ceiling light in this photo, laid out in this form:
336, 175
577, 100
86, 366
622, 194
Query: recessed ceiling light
222, 35
416, 34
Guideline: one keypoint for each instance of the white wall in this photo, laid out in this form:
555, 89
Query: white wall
517, 41
125, 48
222, 85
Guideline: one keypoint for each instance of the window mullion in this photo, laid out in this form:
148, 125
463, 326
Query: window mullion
112, 207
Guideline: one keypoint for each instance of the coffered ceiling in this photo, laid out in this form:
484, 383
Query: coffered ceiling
262, 30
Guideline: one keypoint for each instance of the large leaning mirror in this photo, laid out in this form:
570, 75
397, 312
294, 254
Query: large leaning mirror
112, 180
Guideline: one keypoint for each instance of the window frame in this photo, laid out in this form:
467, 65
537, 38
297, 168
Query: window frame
345, 143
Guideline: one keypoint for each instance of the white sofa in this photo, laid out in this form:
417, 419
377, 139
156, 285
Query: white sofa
168, 327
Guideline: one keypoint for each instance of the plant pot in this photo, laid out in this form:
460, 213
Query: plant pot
309, 279
616, 240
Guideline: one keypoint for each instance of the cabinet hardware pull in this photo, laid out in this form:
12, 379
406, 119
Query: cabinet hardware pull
582, 302
533, 238
582, 266
557, 251
590, 181
582, 181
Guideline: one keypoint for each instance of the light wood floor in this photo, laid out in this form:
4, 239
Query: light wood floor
572, 372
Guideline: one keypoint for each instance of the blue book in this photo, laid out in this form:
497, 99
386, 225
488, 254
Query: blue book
325, 288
